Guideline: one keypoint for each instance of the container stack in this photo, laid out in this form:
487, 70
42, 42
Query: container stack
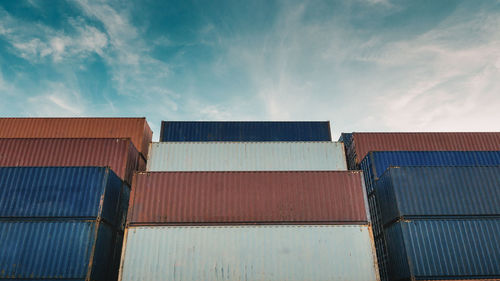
434, 200
248, 201
64, 192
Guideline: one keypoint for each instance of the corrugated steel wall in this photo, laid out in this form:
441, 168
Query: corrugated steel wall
77, 192
245, 131
412, 192
239, 197
383, 159
56, 249
119, 154
137, 129
427, 249
362, 143
246, 156
249, 253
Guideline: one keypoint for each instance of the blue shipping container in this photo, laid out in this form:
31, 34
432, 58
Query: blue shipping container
414, 192
375, 163
444, 249
71, 192
245, 131
35, 250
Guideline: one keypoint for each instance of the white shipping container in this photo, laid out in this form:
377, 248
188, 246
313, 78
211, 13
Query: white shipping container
272, 252
246, 156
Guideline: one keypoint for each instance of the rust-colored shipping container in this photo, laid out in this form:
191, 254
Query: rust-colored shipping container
118, 154
137, 129
248, 197
359, 144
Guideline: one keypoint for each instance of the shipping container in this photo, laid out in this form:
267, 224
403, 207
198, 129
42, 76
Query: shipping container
381, 250
359, 144
376, 162
118, 154
246, 156
245, 131
375, 214
64, 249
137, 129
413, 192
70, 192
443, 249
248, 197
249, 253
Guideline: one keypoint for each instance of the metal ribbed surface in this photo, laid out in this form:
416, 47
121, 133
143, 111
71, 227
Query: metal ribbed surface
438, 191
246, 156
245, 131
249, 253
137, 129
381, 250
375, 215
82, 192
428, 249
119, 154
375, 163
220, 197
362, 143
55, 250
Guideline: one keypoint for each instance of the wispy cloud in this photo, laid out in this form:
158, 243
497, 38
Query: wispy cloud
36, 42
57, 100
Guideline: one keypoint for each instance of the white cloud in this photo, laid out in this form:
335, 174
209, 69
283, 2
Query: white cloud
35, 42
56, 100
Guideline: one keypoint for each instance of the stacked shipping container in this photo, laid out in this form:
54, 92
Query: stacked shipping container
248, 209
435, 212
64, 198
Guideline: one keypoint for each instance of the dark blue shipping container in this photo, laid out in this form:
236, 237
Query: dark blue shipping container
375, 163
444, 249
36, 250
245, 131
414, 192
71, 192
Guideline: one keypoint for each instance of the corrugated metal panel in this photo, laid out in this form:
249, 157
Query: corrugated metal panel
42, 192
245, 131
381, 250
375, 215
246, 156
55, 250
456, 249
220, 197
375, 163
249, 253
362, 143
119, 154
411, 192
137, 129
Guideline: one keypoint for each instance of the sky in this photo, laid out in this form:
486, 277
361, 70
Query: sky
365, 65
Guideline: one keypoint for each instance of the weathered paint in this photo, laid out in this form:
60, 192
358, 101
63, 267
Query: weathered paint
442, 249
359, 144
77, 192
118, 154
246, 156
245, 131
248, 197
249, 253
413, 192
137, 129
376, 162
40, 250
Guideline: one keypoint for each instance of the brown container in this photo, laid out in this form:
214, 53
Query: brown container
118, 154
247, 197
137, 129
366, 142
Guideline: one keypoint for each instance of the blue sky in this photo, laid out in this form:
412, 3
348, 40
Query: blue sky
366, 65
